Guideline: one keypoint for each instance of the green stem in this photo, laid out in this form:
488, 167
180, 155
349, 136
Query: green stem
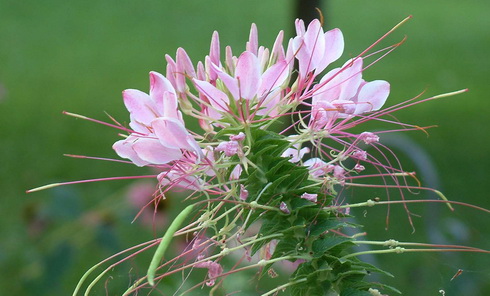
281, 287
165, 242
400, 250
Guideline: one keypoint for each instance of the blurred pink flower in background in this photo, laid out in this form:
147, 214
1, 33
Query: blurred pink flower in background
141, 197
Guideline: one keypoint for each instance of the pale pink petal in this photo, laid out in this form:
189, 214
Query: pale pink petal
218, 99
290, 52
329, 87
248, 74
344, 107
300, 27
253, 40
298, 47
170, 106
295, 153
231, 83
178, 179
236, 172
153, 152
277, 52
171, 133
138, 127
350, 79
274, 77
315, 42
339, 173
322, 113
171, 69
179, 74
201, 73
334, 47
186, 63
124, 149
158, 86
230, 64
372, 96
263, 58
139, 105
214, 50
271, 103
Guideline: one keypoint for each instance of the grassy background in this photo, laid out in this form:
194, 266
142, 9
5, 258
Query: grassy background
77, 56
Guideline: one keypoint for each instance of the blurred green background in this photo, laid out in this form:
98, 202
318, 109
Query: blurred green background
79, 55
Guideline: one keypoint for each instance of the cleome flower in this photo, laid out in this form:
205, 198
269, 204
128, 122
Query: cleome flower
159, 135
253, 194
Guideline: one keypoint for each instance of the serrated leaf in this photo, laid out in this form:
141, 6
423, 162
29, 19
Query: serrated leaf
326, 224
322, 245
369, 267
354, 292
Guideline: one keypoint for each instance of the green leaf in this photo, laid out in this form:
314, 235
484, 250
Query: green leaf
322, 245
354, 292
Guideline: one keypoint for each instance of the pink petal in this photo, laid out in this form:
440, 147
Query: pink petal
158, 86
139, 104
263, 58
229, 61
315, 42
236, 172
248, 74
334, 47
231, 83
124, 148
372, 96
214, 50
298, 46
186, 63
171, 69
170, 105
152, 151
201, 73
218, 99
273, 77
277, 51
138, 127
329, 89
171, 133
350, 79
300, 27
180, 180
253, 40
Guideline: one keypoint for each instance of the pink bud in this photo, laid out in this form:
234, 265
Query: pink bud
229, 148
359, 154
214, 271
284, 208
243, 193
310, 197
239, 137
368, 138
359, 168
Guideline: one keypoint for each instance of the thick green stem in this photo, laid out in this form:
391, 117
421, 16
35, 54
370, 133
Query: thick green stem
165, 242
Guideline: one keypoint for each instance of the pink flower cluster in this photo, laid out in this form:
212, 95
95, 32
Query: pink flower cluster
253, 87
